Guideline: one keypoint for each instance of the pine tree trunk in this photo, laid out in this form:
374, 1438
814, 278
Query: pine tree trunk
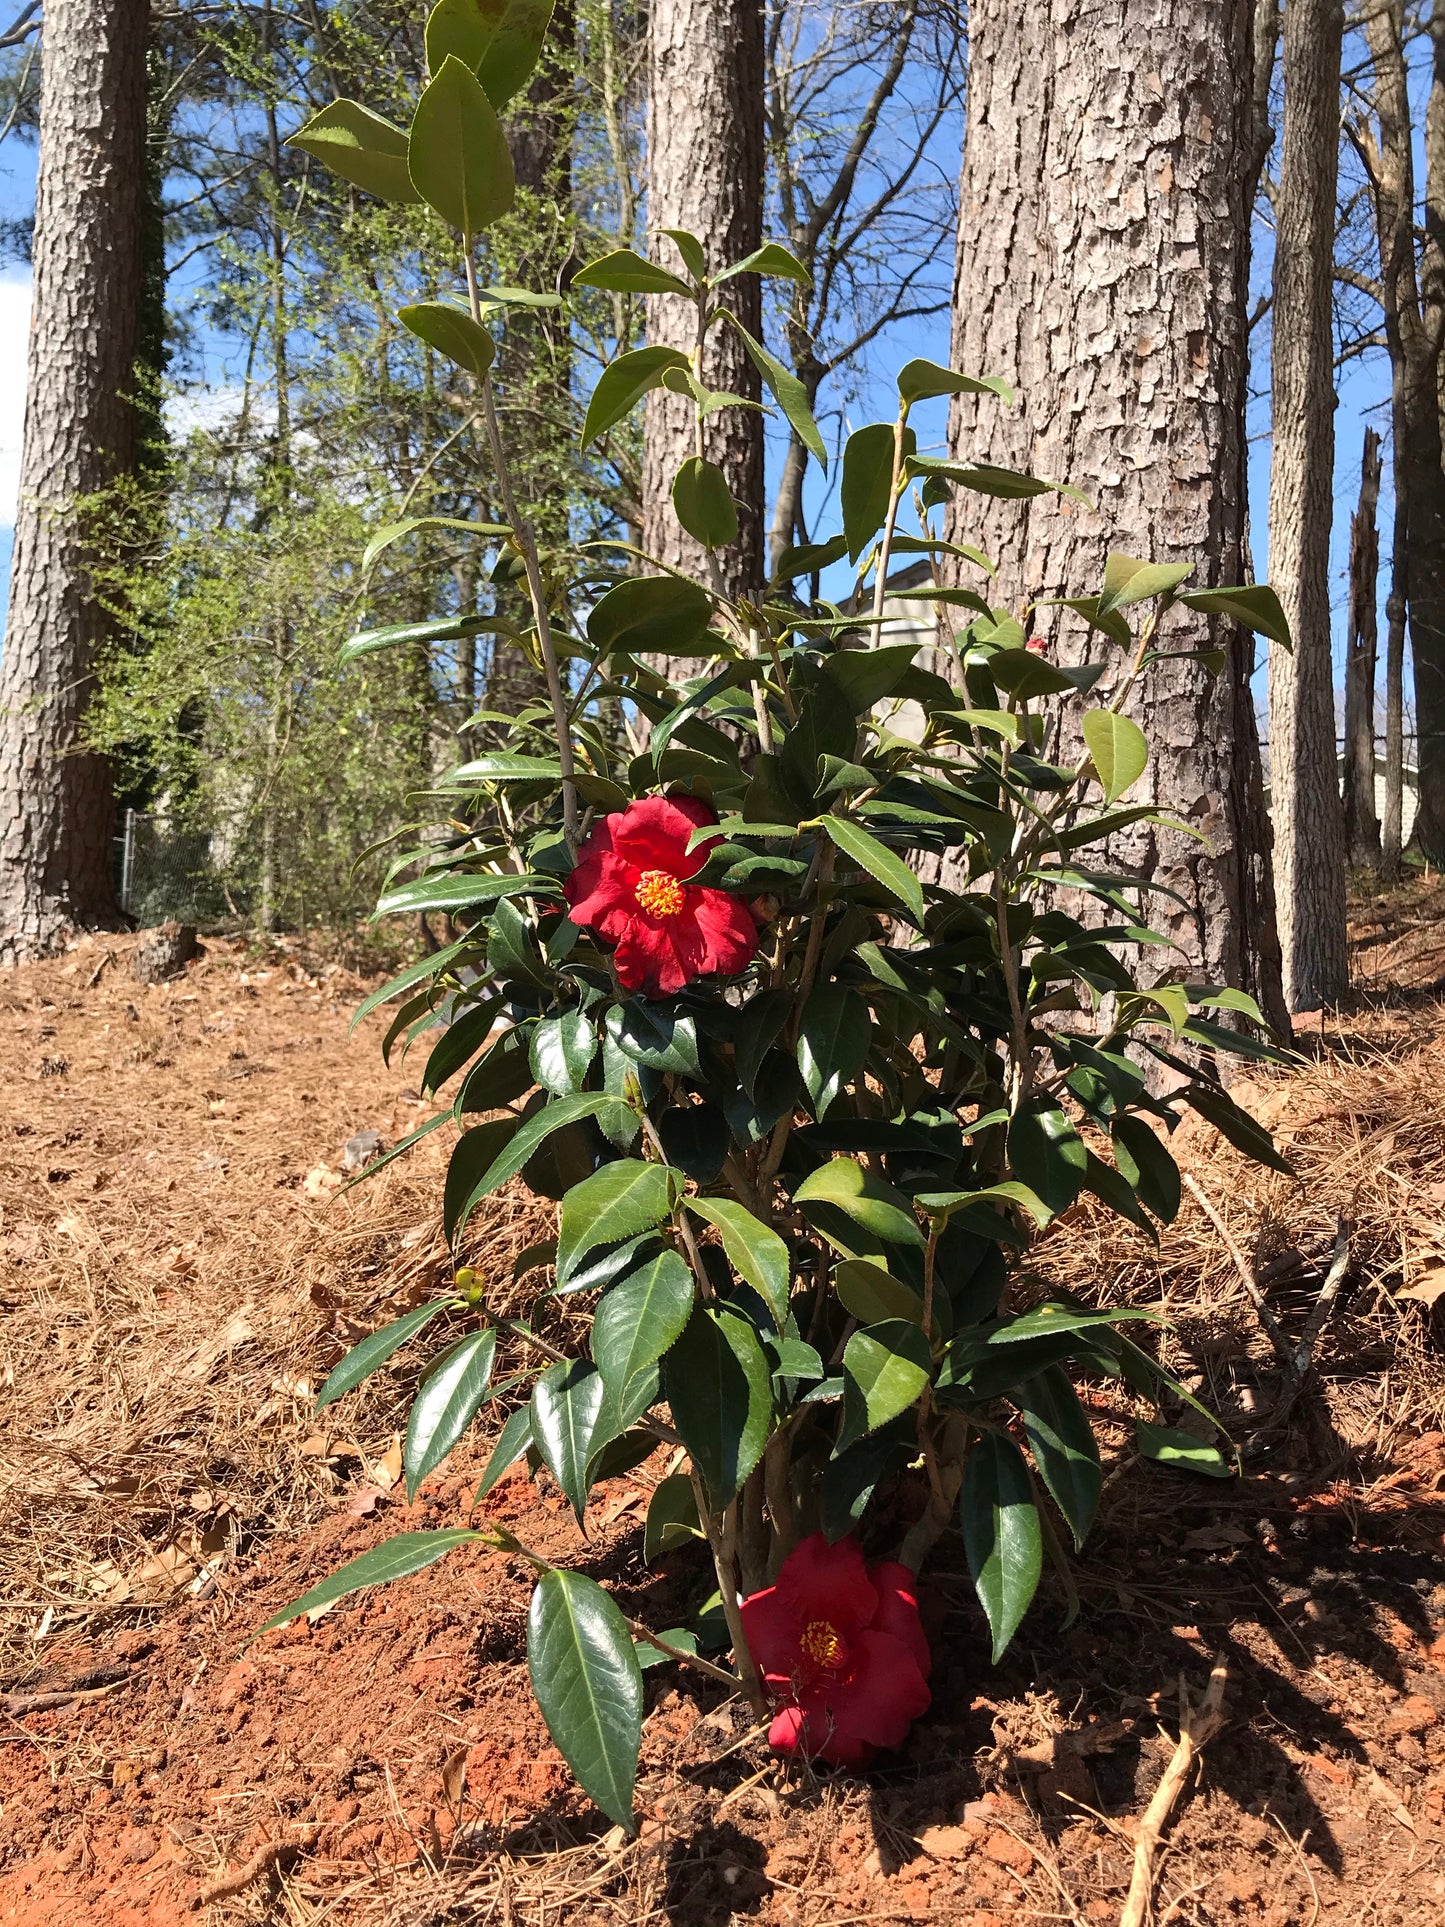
1362, 826
56, 802
705, 174
1103, 257
1309, 847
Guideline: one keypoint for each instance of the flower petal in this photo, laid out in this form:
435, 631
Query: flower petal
882, 1694
813, 1728
730, 936
601, 894
658, 955
897, 1613
773, 1634
652, 833
819, 1581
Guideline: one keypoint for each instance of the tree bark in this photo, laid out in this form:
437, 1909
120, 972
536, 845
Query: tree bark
56, 801
1103, 257
1309, 845
1362, 826
705, 174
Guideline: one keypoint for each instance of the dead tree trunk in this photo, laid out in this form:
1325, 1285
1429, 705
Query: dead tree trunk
705, 174
1103, 256
1309, 847
1362, 826
56, 802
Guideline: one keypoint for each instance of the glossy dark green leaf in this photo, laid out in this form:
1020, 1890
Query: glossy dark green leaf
562, 1049
625, 271
566, 1404
719, 1385
776, 1089
463, 1037
1255, 606
1001, 1534
1047, 1154
513, 1442
361, 147
866, 487
1127, 580
786, 390
500, 40
864, 849
850, 1479
919, 380
652, 615
474, 1151
856, 1211
500, 1076
535, 1131
1147, 1163
1064, 1447
867, 676
1245, 1133
1118, 749
833, 1038
623, 383
810, 558
677, 1638
771, 258
446, 1405
753, 1250
695, 1139
589, 1686
639, 1319
452, 332
885, 1367
394, 1558
374, 1350
447, 629
763, 1018
872, 1295
461, 890
704, 503
458, 155
1181, 1451
691, 250
616, 1202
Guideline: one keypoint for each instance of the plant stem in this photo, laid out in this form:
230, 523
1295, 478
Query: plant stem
885, 547
722, 1538
526, 540
639, 1631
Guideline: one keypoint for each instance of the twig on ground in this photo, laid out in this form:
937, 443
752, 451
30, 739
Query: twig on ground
1320, 1311
1197, 1726
16, 1706
275, 1854
1267, 1319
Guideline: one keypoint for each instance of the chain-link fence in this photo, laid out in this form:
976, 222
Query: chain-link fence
168, 873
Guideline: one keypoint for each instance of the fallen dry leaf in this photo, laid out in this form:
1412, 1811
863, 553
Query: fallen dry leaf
387, 1469
454, 1776
1428, 1289
321, 1181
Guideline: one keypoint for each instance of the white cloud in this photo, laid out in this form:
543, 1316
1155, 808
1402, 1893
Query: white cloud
14, 342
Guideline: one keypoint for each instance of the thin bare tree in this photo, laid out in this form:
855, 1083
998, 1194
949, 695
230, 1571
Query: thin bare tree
1362, 825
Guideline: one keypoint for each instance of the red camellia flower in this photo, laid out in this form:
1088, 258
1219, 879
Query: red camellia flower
841, 1648
632, 885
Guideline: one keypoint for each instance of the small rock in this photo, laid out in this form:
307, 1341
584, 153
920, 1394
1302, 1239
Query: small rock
1008, 1851
164, 952
1413, 1715
946, 1843
361, 1150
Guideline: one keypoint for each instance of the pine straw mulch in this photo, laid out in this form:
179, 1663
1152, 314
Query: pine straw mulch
179, 1275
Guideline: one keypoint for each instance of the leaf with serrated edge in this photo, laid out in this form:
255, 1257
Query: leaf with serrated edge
1001, 1534
374, 1350
394, 1558
446, 1405
588, 1684
754, 1251
640, 1318
616, 1202
566, 1403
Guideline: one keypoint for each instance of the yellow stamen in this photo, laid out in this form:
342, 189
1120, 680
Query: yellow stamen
822, 1643
659, 893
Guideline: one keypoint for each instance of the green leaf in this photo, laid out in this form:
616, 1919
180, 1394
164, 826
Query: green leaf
885, 1367
1238, 1127
878, 860
616, 1202
374, 1350
562, 1051
566, 1404
1064, 1446
459, 158
552, 1117
719, 1385
678, 1638
1147, 1163
446, 1405
763, 1018
395, 1558
662, 615
452, 333
468, 1030
500, 1076
446, 629
786, 390
756, 1253
1182, 1451
655, 1037
998, 722
672, 1519
639, 1319
1006, 484
1128, 580
695, 1139
1119, 748
803, 560
1047, 1154
623, 383
500, 40
361, 147
398, 531
833, 1039
460, 890
866, 488
588, 1685
974, 1210
771, 258
690, 248
472, 1153
704, 503
514, 1439
855, 1210
625, 271
918, 380
872, 1295
1001, 1534
1255, 606
866, 676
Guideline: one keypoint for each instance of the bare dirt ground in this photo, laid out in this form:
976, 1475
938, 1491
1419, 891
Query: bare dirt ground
178, 1270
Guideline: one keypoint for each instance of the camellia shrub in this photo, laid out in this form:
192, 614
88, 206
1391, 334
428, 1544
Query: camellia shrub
803, 1112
